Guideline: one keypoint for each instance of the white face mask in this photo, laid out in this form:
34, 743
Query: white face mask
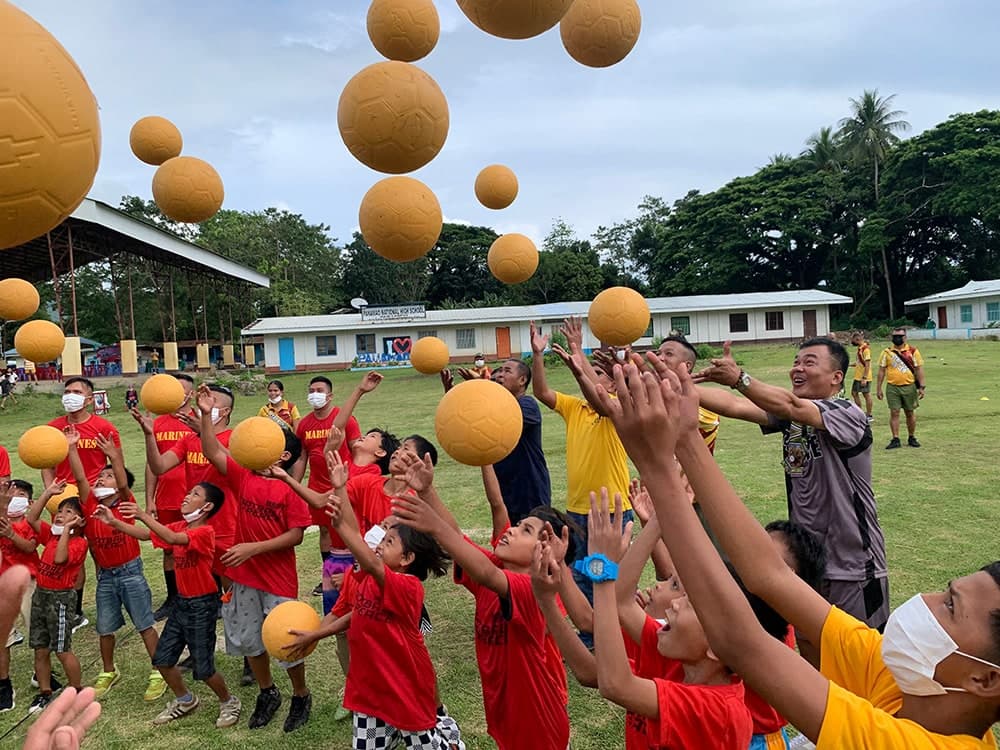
914, 644
102, 492
73, 402
620, 355
194, 515
317, 400
18, 506
215, 415
480, 362
276, 400
57, 529
374, 536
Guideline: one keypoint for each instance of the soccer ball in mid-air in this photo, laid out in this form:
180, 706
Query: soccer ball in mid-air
512, 258
599, 33
188, 189
393, 117
50, 134
256, 443
618, 316
40, 341
162, 394
515, 19
18, 299
429, 355
403, 30
496, 186
478, 422
42, 447
155, 139
400, 219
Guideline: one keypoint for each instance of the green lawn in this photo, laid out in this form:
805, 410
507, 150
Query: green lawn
937, 506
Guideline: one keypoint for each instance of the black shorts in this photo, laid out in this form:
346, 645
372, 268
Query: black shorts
191, 624
861, 386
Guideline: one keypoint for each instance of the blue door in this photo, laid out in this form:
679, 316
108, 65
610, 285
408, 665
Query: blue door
286, 354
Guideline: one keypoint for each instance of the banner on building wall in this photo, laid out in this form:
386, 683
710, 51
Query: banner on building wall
408, 311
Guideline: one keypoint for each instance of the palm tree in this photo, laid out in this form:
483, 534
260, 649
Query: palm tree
868, 135
779, 158
824, 150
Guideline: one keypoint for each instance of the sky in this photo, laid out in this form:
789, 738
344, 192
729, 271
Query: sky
712, 89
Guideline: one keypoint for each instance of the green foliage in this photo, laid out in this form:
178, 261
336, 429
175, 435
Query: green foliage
707, 351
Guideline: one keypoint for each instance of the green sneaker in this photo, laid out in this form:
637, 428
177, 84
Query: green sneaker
104, 682
156, 687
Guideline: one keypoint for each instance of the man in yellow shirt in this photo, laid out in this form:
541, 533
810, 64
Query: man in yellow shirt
862, 384
904, 367
932, 682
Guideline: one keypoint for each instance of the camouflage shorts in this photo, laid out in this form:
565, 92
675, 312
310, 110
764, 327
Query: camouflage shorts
52, 615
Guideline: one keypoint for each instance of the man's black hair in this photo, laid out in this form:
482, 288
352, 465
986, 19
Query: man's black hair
774, 624
837, 351
129, 476
390, 444
20, 484
79, 379
994, 570
322, 379
428, 556
809, 553
213, 495
557, 519
688, 346
216, 388
185, 377
423, 445
522, 370
294, 448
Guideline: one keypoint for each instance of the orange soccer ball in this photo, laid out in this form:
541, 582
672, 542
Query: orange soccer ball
257, 443
429, 355
403, 30
50, 129
400, 219
496, 186
515, 19
618, 316
600, 33
188, 189
287, 616
18, 299
42, 447
163, 394
478, 422
53, 504
512, 258
155, 139
39, 341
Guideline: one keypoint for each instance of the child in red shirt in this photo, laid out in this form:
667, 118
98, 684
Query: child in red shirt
54, 600
387, 687
191, 621
17, 547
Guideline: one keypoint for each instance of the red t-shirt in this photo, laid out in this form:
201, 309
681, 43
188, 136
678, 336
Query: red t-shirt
172, 487
392, 677
109, 546
197, 469
523, 677
4, 462
192, 561
313, 433
59, 577
92, 457
700, 716
368, 499
12, 556
767, 720
652, 665
348, 591
266, 508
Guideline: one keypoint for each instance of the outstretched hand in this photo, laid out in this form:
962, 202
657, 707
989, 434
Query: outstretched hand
370, 382
723, 370
414, 512
605, 533
447, 379
419, 473
539, 341
64, 722
546, 572
337, 468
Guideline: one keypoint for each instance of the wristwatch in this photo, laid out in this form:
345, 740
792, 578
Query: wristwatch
598, 568
742, 382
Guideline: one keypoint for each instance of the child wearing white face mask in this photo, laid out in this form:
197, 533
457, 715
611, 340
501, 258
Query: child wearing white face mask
191, 622
18, 546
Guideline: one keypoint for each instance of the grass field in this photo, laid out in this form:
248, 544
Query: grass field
937, 505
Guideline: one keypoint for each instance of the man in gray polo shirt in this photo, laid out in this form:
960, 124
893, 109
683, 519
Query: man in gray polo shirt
828, 467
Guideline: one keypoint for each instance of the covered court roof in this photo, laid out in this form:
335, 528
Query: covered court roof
100, 231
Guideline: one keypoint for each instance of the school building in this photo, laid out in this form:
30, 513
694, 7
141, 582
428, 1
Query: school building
969, 312
381, 335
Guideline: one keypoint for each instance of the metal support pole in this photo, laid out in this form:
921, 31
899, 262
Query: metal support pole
55, 280
72, 281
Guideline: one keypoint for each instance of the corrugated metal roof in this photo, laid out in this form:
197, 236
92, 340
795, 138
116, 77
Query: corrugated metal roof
970, 290
552, 311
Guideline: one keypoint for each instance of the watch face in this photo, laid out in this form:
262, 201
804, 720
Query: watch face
596, 567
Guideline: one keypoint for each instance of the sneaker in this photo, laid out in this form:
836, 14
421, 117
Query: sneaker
104, 682
155, 688
318, 591
53, 682
268, 702
229, 712
16, 638
164, 611
81, 623
894, 443
6, 695
342, 713
870, 418
176, 710
913, 442
298, 712
247, 677
40, 702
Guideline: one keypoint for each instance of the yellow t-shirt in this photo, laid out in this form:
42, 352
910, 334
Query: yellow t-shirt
897, 373
708, 427
863, 696
595, 457
863, 364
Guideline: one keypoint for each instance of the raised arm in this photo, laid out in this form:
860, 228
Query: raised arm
315, 499
642, 504
156, 462
368, 383
16, 540
61, 556
104, 514
498, 511
539, 384
34, 512
210, 445
167, 535
75, 464
419, 477
631, 616
117, 460
300, 640
346, 524
150, 485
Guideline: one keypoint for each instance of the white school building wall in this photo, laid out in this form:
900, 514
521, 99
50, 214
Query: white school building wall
329, 342
975, 305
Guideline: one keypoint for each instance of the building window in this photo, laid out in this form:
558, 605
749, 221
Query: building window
648, 333
326, 346
681, 324
426, 334
738, 323
966, 313
774, 320
366, 343
465, 338
992, 312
